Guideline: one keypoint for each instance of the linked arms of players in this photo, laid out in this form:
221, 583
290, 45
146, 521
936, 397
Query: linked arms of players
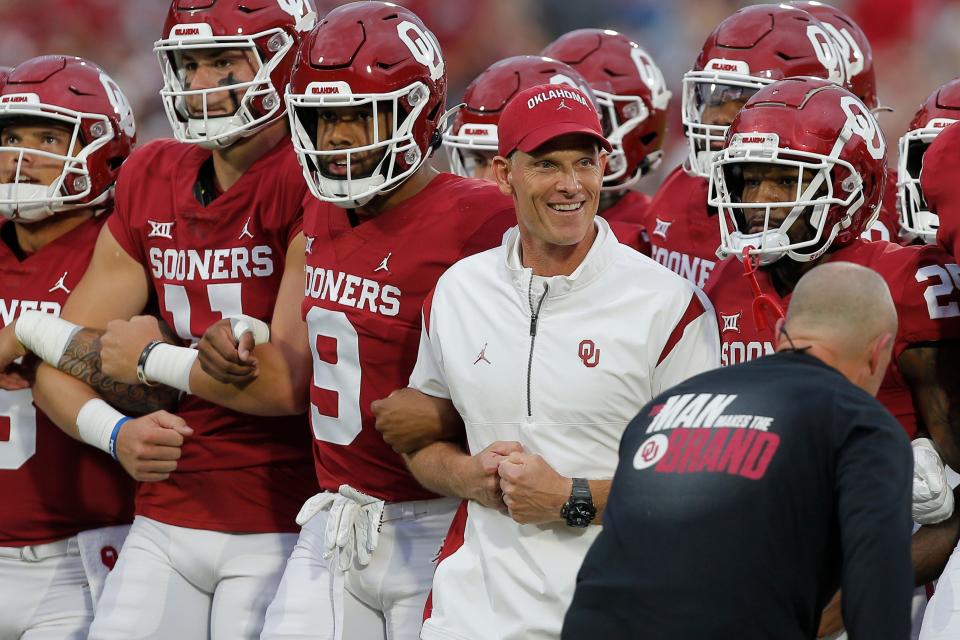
264, 379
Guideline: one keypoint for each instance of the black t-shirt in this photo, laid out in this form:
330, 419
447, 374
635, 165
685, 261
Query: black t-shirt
742, 498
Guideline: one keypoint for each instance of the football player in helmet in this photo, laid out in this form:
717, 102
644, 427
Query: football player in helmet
65, 129
938, 188
366, 105
861, 79
202, 224
797, 181
750, 49
471, 141
938, 111
633, 100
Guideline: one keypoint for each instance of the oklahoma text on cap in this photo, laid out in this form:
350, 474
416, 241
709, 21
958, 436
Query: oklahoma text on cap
544, 112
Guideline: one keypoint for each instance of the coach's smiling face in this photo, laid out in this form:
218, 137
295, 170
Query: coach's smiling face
556, 191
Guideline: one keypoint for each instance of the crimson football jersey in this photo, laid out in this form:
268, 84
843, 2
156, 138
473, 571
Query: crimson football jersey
627, 218
684, 235
238, 472
54, 486
923, 281
364, 291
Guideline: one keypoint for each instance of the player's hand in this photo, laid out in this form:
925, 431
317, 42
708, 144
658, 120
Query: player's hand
10, 347
831, 621
480, 476
148, 447
226, 359
122, 344
409, 420
533, 492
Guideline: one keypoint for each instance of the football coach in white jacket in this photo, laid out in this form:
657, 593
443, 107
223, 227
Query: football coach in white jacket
547, 347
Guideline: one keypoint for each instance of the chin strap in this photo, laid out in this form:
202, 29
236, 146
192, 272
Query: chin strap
763, 304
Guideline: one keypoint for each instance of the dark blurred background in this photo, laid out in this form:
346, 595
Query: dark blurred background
914, 42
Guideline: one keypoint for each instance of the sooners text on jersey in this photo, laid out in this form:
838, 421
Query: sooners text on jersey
364, 290
238, 472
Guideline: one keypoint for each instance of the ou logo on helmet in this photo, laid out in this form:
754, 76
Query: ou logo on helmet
652, 77
850, 52
862, 123
120, 105
826, 49
296, 8
423, 46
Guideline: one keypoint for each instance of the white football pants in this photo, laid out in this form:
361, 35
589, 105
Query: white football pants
381, 600
175, 583
48, 591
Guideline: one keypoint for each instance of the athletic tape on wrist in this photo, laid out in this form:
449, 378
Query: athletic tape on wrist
99, 425
243, 323
170, 365
45, 334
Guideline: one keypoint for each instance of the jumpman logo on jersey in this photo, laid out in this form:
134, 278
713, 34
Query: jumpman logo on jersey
161, 229
383, 264
309, 248
246, 230
563, 105
483, 355
60, 284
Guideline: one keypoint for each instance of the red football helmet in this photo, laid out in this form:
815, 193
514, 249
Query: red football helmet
939, 110
373, 54
829, 140
77, 94
752, 48
632, 95
853, 45
475, 125
265, 31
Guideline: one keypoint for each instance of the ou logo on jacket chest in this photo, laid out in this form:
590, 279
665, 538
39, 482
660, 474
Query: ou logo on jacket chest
589, 353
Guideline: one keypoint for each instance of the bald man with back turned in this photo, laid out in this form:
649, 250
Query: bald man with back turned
746, 496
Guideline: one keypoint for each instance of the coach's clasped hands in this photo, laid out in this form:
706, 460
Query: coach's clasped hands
505, 477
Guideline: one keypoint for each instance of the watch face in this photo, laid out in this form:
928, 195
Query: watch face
580, 515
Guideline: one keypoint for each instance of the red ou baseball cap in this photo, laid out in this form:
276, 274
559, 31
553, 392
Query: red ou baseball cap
544, 112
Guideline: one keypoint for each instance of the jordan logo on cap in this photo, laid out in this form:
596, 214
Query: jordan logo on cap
563, 105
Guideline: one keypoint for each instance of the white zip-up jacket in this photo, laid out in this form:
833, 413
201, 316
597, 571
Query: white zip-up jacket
560, 364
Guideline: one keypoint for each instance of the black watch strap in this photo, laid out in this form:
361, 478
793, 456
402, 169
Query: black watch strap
579, 510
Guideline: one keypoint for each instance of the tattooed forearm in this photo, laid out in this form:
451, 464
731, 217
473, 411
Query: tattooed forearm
82, 361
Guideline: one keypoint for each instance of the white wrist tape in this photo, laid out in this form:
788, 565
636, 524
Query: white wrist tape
242, 324
99, 424
932, 495
45, 334
171, 365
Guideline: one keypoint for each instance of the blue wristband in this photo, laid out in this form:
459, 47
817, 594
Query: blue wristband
113, 436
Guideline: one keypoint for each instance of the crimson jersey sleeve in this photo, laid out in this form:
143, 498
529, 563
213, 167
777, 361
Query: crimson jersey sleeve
144, 159
938, 181
925, 284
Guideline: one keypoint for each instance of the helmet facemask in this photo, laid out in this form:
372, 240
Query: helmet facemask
814, 194
711, 89
620, 116
916, 219
394, 144
28, 202
256, 102
464, 145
